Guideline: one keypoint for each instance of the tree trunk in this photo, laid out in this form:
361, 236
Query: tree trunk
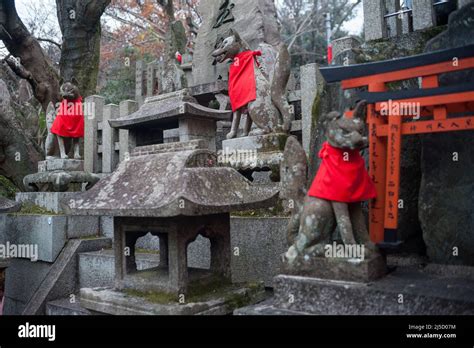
31, 61
81, 29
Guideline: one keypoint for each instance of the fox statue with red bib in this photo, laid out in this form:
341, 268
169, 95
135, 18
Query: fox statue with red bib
251, 91
68, 123
336, 195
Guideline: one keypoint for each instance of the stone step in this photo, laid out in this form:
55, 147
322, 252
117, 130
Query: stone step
96, 269
265, 308
65, 307
432, 290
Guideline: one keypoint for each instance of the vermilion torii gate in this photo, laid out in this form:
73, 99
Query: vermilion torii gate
390, 116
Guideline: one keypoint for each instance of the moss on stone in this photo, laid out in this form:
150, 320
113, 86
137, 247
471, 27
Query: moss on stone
153, 296
7, 188
32, 209
146, 251
276, 211
203, 290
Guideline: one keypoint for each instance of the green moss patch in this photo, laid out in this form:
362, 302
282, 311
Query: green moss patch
32, 209
7, 188
201, 291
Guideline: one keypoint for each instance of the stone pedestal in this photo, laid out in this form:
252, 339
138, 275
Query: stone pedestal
255, 153
60, 175
348, 269
409, 290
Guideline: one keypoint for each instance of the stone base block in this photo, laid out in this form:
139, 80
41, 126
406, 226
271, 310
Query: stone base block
44, 235
82, 226
221, 302
433, 290
257, 246
65, 307
358, 270
50, 201
22, 279
69, 165
59, 181
255, 153
260, 143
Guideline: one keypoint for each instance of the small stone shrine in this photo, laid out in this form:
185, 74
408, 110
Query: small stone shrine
175, 191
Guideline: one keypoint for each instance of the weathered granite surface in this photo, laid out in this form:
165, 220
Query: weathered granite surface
433, 290
340, 269
256, 21
108, 301
446, 204
71, 165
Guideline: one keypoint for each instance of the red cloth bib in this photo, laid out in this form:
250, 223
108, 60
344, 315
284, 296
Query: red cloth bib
342, 177
69, 122
242, 84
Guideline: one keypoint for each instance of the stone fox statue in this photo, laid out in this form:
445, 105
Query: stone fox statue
250, 91
69, 121
335, 196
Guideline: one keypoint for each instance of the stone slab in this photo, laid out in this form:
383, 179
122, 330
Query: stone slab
22, 279
47, 233
113, 302
82, 226
406, 291
65, 307
68, 165
61, 279
340, 269
265, 308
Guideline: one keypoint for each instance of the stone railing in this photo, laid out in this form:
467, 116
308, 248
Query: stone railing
105, 147
388, 18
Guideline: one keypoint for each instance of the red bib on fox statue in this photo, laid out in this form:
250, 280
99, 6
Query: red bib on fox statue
69, 122
342, 177
242, 84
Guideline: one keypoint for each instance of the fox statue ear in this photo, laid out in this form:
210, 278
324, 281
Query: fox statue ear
74, 81
360, 110
236, 35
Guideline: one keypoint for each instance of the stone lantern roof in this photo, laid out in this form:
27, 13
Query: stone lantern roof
187, 182
8, 206
166, 110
